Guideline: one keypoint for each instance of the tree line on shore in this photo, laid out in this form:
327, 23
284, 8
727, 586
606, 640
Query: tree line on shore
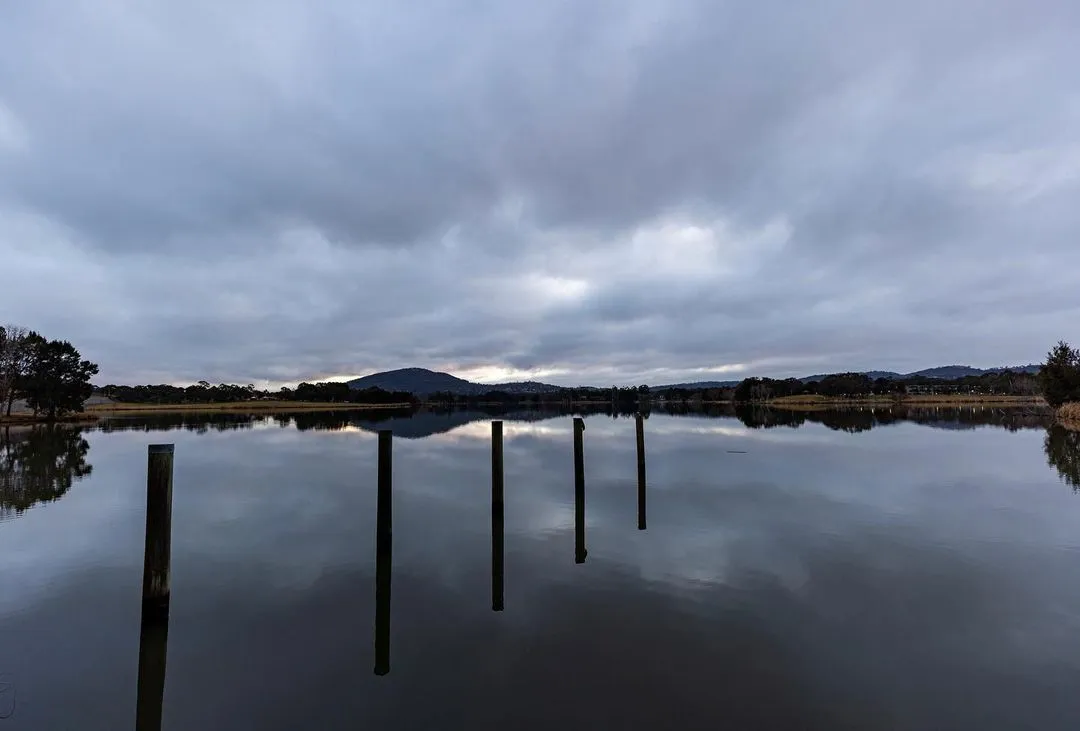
50, 375
857, 385
204, 393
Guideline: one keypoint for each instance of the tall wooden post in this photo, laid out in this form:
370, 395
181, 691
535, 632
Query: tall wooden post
157, 553
384, 541
640, 471
497, 566
580, 552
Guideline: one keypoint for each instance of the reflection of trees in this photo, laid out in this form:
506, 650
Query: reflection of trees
39, 465
199, 422
757, 416
1062, 447
853, 420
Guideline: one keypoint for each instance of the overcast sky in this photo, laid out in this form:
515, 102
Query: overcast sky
613, 191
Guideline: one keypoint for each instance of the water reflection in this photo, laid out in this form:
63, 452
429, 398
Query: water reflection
580, 552
200, 422
39, 465
425, 423
498, 518
859, 419
153, 648
1062, 448
766, 593
384, 542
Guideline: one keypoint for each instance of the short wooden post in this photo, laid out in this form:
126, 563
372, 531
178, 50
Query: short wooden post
384, 543
640, 471
153, 646
580, 552
157, 554
497, 566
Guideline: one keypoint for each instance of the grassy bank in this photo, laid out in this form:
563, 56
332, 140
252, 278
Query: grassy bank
927, 400
1069, 416
233, 406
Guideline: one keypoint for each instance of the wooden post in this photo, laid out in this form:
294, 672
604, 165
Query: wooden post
384, 540
640, 471
580, 552
156, 557
153, 645
497, 566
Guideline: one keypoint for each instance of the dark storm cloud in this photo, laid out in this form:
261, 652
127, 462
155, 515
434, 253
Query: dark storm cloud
572, 190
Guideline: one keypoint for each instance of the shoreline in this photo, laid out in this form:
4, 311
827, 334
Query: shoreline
941, 400
1068, 415
25, 419
95, 413
236, 406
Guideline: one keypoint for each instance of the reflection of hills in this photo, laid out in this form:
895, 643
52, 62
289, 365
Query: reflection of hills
424, 422
428, 423
39, 465
405, 424
1062, 448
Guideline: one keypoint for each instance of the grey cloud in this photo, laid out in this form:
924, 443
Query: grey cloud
276, 191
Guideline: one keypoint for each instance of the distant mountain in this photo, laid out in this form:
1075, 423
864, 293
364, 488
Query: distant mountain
873, 375
421, 381
884, 374
943, 372
960, 371
698, 385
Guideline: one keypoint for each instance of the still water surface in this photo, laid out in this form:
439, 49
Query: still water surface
798, 573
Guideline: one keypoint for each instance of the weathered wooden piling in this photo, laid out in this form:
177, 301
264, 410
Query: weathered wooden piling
497, 566
157, 553
384, 541
153, 647
580, 553
640, 471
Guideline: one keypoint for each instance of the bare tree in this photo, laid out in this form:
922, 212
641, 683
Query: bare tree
5, 386
14, 357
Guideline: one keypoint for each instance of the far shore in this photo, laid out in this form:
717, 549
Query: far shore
28, 419
907, 400
236, 406
1068, 415
99, 411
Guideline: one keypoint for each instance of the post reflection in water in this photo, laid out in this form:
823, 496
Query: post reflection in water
640, 471
383, 550
497, 518
153, 646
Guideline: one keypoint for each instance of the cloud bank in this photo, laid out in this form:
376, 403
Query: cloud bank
609, 192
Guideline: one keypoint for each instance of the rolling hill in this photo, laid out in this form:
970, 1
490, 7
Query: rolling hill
421, 381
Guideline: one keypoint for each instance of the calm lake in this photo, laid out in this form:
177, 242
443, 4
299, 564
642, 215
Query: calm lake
852, 570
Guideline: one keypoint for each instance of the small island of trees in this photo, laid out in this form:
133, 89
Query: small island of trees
50, 375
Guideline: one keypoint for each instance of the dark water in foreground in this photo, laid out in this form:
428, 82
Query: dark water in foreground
795, 574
